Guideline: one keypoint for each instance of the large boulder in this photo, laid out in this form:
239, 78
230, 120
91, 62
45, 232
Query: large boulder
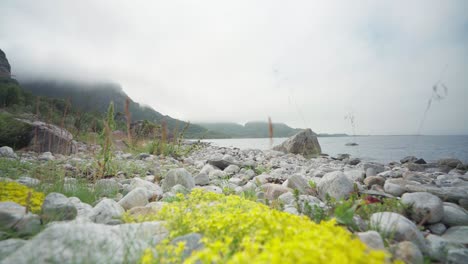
89, 243
304, 143
51, 138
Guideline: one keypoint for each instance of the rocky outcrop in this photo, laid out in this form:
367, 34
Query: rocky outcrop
5, 68
304, 142
50, 138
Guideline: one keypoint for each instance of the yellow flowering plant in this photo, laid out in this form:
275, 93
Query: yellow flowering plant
236, 230
20, 194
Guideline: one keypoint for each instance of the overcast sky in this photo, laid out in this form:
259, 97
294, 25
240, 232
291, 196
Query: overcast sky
305, 63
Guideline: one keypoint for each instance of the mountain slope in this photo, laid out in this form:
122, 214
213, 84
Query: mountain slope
95, 97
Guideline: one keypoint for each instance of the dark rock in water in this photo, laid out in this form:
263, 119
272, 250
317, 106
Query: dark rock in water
452, 163
5, 68
354, 161
420, 161
351, 144
341, 157
408, 159
304, 143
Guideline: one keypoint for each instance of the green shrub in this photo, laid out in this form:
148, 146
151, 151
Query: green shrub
14, 133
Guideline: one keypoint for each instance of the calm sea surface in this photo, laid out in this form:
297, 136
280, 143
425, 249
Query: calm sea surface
373, 148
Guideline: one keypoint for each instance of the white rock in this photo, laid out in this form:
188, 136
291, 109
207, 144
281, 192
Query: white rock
178, 176
424, 206
7, 152
152, 190
335, 184
136, 197
372, 239
89, 243
454, 215
106, 211
399, 227
57, 207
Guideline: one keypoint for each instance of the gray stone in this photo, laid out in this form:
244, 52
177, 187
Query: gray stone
202, 179
7, 152
90, 243
136, 197
106, 211
46, 156
304, 143
377, 167
457, 234
10, 214
29, 225
454, 215
107, 187
192, 242
153, 191
57, 207
370, 172
221, 163
232, 169
273, 191
395, 187
179, 189
7, 247
408, 159
178, 176
83, 208
372, 239
207, 169
354, 161
437, 229
298, 182
424, 206
335, 184
374, 180
457, 256
28, 181
399, 227
438, 247
355, 175
408, 252
287, 198
451, 163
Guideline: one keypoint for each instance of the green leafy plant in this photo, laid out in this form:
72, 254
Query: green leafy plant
106, 155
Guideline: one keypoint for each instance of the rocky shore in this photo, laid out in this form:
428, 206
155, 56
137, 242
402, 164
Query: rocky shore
433, 227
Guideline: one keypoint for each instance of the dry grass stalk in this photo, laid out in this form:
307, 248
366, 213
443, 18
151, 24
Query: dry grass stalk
270, 131
128, 118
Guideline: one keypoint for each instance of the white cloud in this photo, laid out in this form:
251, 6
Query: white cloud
306, 63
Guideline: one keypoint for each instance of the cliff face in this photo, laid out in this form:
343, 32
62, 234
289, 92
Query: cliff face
5, 69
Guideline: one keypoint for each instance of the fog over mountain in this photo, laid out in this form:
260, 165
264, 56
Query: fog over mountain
303, 63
